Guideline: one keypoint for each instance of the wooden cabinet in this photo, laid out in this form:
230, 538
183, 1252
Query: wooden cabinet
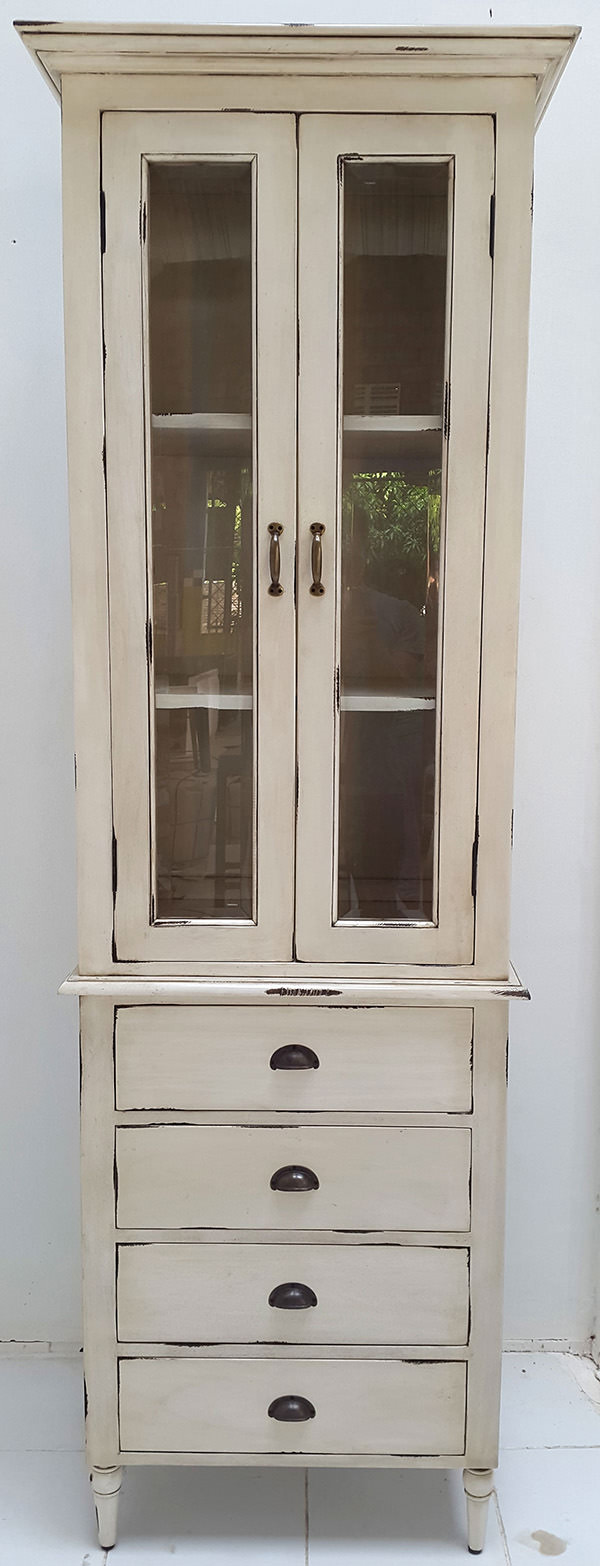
296, 284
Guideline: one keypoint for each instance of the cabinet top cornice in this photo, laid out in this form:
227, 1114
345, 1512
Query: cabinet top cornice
64, 48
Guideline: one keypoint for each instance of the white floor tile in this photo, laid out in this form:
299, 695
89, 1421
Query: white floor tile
550, 1506
543, 1404
46, 1511
369, 1517
221, 1516
41, 1404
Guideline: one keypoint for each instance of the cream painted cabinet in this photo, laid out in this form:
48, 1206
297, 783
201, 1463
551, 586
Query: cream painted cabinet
296, 287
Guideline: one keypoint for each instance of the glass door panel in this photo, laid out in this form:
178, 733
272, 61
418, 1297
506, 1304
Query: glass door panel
201, 341
400, 319
395, 254
199, 290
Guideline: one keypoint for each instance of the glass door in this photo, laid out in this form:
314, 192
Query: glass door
200, 330
394, 352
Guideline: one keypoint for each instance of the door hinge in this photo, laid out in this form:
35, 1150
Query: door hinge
492, 224
75, 766
149, 642
102, 222
114, 866
336, 689
297, 794
142, 222
474, 859
507, 1053
446, 417
512, 828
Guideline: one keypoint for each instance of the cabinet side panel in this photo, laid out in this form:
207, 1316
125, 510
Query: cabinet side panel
508, 386
98, 1205
487, 1223
85, 432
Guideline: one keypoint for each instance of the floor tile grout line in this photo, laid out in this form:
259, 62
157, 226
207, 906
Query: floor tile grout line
47, 1451
306, 1560
502, 1529
556, 1446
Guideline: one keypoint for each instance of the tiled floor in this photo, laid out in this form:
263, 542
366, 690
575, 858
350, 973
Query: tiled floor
548, 1489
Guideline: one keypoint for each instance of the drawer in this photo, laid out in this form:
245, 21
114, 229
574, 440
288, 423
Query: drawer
207, 1405
219, 1057
187, 1177
292, 1294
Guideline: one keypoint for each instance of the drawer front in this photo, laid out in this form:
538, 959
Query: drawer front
203, 1405
219, 1057
187, 1177
293, 1294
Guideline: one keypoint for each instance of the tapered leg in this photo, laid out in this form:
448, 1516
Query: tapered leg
106, 1483
479, 1484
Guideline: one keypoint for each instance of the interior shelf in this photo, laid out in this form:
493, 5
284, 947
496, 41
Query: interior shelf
217, 434
391, 423
184, 696
237, 701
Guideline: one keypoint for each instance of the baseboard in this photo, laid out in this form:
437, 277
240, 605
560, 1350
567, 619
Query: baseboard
15, 1348
579, 1346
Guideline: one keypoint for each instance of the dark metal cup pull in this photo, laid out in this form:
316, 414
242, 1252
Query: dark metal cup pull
316, 559
292, 1296
294, 1177
275, 529
292, 1410
294, 1057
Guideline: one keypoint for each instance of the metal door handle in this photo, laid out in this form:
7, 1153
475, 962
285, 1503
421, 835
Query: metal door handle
316, 559
275, 529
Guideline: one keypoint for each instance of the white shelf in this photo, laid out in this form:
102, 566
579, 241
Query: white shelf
390, 424
201, 421
234, 701
223, 701
367, 701
216, 434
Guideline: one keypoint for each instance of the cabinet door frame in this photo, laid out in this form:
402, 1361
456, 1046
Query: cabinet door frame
268, 142
468, 142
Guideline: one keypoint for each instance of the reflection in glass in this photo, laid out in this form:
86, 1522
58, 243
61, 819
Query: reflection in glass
395, 258
201, 369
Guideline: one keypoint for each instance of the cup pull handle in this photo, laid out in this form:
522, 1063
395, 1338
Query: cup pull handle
294, 1177
292, 1296
291, 1410
294, 1057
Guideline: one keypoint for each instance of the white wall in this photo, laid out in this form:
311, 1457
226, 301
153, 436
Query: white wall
554, 1087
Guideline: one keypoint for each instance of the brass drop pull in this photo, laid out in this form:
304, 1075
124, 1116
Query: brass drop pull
316, 559
291, 1410
275, 529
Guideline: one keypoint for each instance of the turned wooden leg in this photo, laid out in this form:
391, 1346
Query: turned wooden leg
106, 1483
479, 1484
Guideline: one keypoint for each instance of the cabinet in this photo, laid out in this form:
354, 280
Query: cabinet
296, 283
